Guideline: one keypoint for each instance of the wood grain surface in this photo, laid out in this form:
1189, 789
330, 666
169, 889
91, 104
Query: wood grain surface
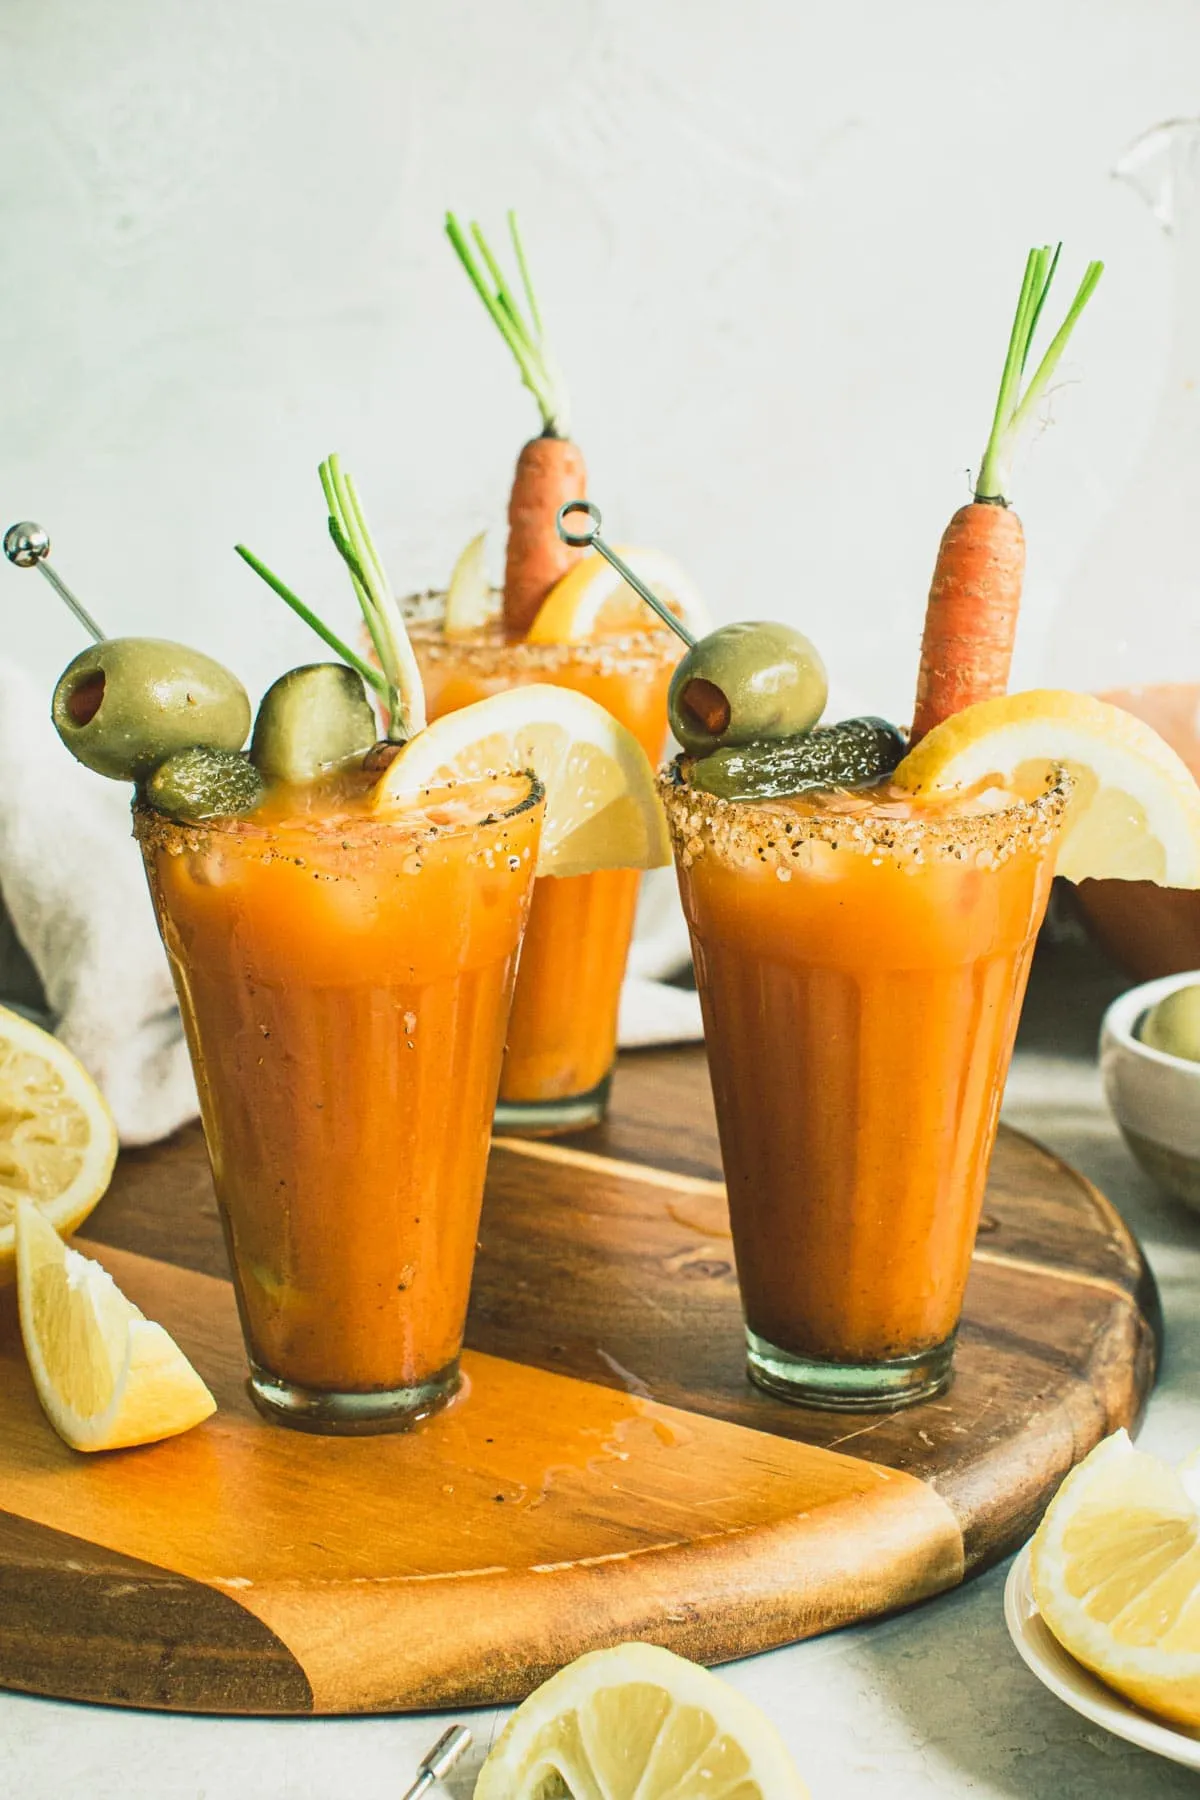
609, 1472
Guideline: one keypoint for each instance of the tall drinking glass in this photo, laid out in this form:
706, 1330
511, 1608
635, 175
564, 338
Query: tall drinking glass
562, 1036
345, 984
861, 962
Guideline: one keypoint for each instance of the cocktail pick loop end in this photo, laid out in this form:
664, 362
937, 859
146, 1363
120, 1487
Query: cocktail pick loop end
589, 538
579, 540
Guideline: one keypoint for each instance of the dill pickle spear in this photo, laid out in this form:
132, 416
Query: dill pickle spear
202, 783
857, 753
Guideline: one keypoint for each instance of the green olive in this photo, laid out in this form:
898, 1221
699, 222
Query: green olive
744, 683
203, 783
310, 721
1174, 1024
126, 703
857, 753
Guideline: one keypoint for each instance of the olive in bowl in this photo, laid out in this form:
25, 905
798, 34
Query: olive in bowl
744, 682
125, 704
1152, 1092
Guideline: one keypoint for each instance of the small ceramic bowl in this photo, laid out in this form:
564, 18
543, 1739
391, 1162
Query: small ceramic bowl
1154, 1097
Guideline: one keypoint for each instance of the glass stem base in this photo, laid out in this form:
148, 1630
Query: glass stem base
350, 1414
550, 1118
848, 1387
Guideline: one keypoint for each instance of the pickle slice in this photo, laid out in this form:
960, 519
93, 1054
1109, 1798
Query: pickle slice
855, 754
310, 721
202, 783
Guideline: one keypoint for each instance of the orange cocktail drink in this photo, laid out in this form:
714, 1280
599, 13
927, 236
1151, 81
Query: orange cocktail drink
345, 981
861, 960
563, 1031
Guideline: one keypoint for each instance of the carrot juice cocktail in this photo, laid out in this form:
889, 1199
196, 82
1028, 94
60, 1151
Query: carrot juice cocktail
561, 620
342, 914
861, 961
563, 1031
345, 982
863, 904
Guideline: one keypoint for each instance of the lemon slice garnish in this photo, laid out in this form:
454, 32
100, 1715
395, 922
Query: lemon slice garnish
1135, 811
639, 1721
58, 1142
592, 601
470, 599
601, 808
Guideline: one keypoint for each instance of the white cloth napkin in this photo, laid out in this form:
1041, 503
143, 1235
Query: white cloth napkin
80, 952
652, 1012
79, 949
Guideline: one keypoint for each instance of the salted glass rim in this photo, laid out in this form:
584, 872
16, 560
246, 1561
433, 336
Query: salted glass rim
656, 646
354, 831
768, 829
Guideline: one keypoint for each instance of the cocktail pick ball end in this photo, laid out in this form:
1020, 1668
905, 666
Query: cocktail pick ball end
26, 544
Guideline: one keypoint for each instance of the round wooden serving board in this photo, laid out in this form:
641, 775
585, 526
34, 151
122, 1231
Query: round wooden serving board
609, 1473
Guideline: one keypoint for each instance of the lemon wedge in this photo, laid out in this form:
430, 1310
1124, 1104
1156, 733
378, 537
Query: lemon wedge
470, 599
58, 1142
601, 808
1115, 1567
1135, 811
636, 1720
106, 1376
591, 600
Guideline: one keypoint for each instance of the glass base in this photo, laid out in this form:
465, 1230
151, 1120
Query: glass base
550, 1118
848, 1387
351, 1414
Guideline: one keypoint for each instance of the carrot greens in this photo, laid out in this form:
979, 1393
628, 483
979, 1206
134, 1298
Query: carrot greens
975, 594
1014, 409
525, 337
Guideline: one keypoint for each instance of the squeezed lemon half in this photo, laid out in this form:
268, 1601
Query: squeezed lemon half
58, 1142
106, 1376
1115, 1568
638, 1723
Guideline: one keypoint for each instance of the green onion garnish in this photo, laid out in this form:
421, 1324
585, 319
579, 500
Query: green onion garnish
397, 680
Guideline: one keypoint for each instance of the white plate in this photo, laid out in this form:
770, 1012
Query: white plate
1056, 1669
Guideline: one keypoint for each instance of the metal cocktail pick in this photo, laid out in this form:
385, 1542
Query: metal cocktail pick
439, 1761
28, 546
581, 540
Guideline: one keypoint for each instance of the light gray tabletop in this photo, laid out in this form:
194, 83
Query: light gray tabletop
933, 1703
